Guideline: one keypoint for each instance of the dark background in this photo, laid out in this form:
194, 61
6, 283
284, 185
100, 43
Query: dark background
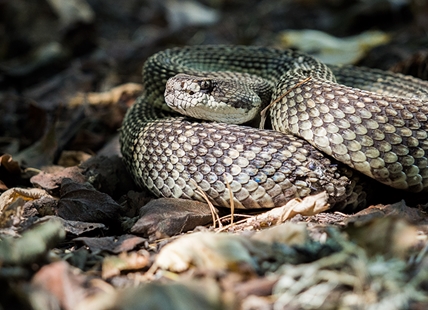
51, 51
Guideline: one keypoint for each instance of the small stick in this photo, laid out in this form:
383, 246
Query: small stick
233, 224
214, 214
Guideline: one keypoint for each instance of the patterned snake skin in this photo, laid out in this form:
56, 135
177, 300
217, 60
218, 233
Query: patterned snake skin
380, 131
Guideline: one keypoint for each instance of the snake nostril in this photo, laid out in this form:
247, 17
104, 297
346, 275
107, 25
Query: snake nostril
191, 93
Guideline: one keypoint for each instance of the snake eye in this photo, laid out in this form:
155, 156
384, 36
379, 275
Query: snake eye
205, 85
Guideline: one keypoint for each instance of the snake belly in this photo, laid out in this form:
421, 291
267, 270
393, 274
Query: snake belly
380, 131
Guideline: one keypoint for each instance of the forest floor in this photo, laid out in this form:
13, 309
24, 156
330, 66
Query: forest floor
75, 231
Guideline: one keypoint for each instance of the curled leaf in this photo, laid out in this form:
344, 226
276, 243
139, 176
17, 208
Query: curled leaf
207, 250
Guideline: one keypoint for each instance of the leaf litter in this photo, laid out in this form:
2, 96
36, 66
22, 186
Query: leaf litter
77, 234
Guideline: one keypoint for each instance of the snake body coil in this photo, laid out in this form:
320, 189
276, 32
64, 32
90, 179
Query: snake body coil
380, 131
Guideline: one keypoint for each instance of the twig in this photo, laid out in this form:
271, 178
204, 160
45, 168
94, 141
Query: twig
212, 208
234, 224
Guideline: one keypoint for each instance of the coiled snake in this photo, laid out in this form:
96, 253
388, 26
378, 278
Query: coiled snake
376, 124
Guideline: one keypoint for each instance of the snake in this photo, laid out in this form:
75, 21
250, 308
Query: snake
332, 128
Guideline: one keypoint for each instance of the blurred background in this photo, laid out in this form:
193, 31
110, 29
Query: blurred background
60, 59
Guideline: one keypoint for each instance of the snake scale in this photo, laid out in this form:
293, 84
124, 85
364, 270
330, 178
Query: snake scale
340, 119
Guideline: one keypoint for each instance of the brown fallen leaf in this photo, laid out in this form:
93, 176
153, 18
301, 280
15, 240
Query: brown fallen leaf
76, 227
12, 204
72, 158
211, 251
110, 97
193, 295
310, 205
58, 282
10, 172
113, 265
13, 194
108, 175
165, 217
81, 202
389, 236
399, 209
52, 181
42, 152
115, 245
258, 286
286, 233
11, 166
3, 186
44, 206
349, 278
134, 201
257, 302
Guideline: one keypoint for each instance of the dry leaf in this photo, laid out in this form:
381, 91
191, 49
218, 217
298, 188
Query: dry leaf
7, 162
193, 295
110, 97
59, 281
76, 227
399, 209
170, 216
12, 204
81, 202
51, 181
13, 194
112, 244
333, 50
348, 279
33, 244
113, 265
287, 233
310, 205
108, 175
72, 12
207, 250
72, 158
389, 236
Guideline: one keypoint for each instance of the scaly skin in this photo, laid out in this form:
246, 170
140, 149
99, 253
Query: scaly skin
382, 135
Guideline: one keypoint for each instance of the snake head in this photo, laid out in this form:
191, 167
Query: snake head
219, 98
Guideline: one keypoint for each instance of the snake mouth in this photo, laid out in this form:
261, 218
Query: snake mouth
204, 109
212, 99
